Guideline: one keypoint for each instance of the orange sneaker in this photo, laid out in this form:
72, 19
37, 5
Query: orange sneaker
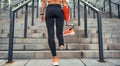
55, 60
68, 32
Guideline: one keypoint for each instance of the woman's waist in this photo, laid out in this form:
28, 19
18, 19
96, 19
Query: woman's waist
59, 5
54, 3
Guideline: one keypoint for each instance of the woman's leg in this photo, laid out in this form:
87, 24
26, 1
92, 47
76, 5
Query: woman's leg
59, 28
50, 29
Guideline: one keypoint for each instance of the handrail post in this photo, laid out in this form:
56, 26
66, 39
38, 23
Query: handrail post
100, 39
26, 19
104, 6
73, 8
33, 12
37, 8
16, 14
110, 9
70, 10
22, 11
85, 19
88, 10
118, 11
11, 37
0, 6
78, 12
94, 14
10, 12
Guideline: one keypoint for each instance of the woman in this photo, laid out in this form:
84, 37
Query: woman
53, 15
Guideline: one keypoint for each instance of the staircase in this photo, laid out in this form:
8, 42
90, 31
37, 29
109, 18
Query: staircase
35, 46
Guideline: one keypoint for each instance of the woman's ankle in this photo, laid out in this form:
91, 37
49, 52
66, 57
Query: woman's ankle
61, 47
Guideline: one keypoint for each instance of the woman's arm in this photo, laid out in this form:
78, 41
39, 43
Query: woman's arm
42, 17
64, 3
43, 6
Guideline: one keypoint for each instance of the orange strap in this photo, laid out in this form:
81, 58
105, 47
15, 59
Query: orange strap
65, 12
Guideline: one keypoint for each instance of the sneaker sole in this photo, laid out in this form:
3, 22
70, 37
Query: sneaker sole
69, 34
55, 64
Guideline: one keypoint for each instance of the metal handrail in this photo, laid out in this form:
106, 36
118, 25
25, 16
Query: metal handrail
11, 37
115, 3
118, 5
13, 10
110, 8
99, 22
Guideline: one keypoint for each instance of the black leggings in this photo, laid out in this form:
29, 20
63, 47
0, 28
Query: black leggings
54, 15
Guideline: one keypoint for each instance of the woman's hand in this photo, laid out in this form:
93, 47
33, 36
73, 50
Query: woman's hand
68, 19
42, 17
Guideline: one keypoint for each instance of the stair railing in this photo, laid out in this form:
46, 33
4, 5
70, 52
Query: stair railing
99, 23
13, 10
18, 6
110, 7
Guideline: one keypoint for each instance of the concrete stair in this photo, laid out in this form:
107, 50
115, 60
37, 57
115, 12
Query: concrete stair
76, 46
62, 54
72, 46
35, 46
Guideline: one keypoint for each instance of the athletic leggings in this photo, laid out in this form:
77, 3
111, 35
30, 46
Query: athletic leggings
54, 15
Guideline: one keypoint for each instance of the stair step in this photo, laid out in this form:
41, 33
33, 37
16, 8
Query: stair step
66, 47
43, 40
39, 34
3, 35
62, 54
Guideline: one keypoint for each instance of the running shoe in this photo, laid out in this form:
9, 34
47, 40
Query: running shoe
68, 32
55, 61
